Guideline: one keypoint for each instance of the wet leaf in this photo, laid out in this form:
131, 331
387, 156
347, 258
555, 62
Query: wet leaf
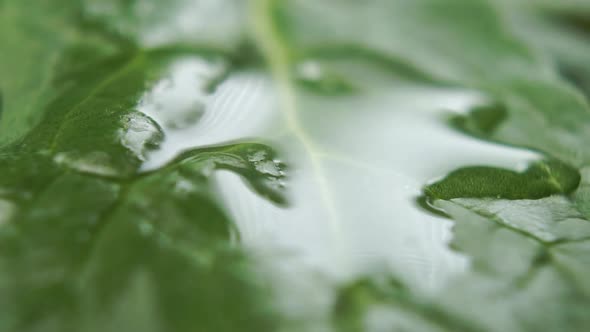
98, 235
90, 241
539, 180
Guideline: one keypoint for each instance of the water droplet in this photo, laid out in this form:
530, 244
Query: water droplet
276, 183
257, 156
265, 165
140, 134
268, 167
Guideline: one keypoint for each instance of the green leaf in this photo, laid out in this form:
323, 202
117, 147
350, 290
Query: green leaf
92, 241
551, 118
22, 88
70, 257
539, 180
85, 232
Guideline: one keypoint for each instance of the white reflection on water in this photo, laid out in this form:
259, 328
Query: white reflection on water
239, 108
375, 153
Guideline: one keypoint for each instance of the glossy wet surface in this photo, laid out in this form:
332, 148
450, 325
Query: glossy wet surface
352, 176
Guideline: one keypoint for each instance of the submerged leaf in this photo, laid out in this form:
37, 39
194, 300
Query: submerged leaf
90, 240
539, 180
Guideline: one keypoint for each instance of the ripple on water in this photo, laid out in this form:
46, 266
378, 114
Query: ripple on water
353, 188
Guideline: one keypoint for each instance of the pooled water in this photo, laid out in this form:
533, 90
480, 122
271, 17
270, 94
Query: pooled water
352, 180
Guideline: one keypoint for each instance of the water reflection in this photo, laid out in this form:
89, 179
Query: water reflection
238, 108
375, 153
375, 163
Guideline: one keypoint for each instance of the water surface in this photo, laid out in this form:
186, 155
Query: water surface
354, 172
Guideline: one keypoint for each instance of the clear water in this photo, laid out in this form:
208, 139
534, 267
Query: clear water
352, 188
